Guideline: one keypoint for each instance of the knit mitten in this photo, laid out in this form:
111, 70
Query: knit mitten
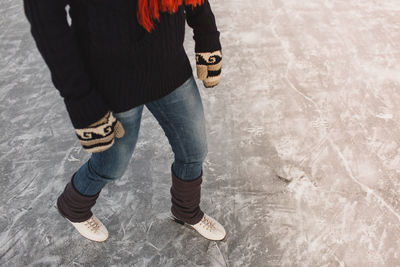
99, 136
209, 67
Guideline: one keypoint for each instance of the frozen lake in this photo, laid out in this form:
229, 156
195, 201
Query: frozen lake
310, 91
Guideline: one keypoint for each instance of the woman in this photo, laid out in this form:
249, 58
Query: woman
113, 58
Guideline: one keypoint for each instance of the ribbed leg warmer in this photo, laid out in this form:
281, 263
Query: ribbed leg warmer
185, 198
74, 206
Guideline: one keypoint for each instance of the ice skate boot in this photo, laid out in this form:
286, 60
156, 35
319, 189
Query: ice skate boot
76, 209
93, 229
185, 209
208, 227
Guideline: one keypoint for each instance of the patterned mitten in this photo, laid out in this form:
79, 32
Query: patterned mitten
99, 136
209, 67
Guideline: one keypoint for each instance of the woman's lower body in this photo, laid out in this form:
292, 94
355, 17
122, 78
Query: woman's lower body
181, 116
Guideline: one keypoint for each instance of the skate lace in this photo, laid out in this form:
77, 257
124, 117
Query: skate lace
92, 224
210, 225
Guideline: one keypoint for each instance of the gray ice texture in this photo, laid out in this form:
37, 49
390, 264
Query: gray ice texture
309, 93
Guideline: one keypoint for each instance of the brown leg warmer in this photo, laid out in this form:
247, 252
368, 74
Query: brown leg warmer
74, 206
185, 198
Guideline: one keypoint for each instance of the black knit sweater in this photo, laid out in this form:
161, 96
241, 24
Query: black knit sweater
104, 60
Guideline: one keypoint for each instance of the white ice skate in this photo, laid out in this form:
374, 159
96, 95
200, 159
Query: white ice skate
208, 227
93, 229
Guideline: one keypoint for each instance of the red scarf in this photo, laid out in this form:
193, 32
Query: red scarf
149, 10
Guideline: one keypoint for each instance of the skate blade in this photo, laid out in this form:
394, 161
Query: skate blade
177, 220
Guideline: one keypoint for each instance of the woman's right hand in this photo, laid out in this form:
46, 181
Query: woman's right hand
99, 136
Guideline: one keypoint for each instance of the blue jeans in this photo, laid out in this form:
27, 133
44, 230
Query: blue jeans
181, 116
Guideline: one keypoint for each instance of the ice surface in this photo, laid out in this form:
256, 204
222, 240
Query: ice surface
310, 92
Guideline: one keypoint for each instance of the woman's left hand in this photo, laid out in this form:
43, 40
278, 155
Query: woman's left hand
209, 67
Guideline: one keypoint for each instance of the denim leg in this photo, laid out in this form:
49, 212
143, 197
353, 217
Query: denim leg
111, 164
181, 116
